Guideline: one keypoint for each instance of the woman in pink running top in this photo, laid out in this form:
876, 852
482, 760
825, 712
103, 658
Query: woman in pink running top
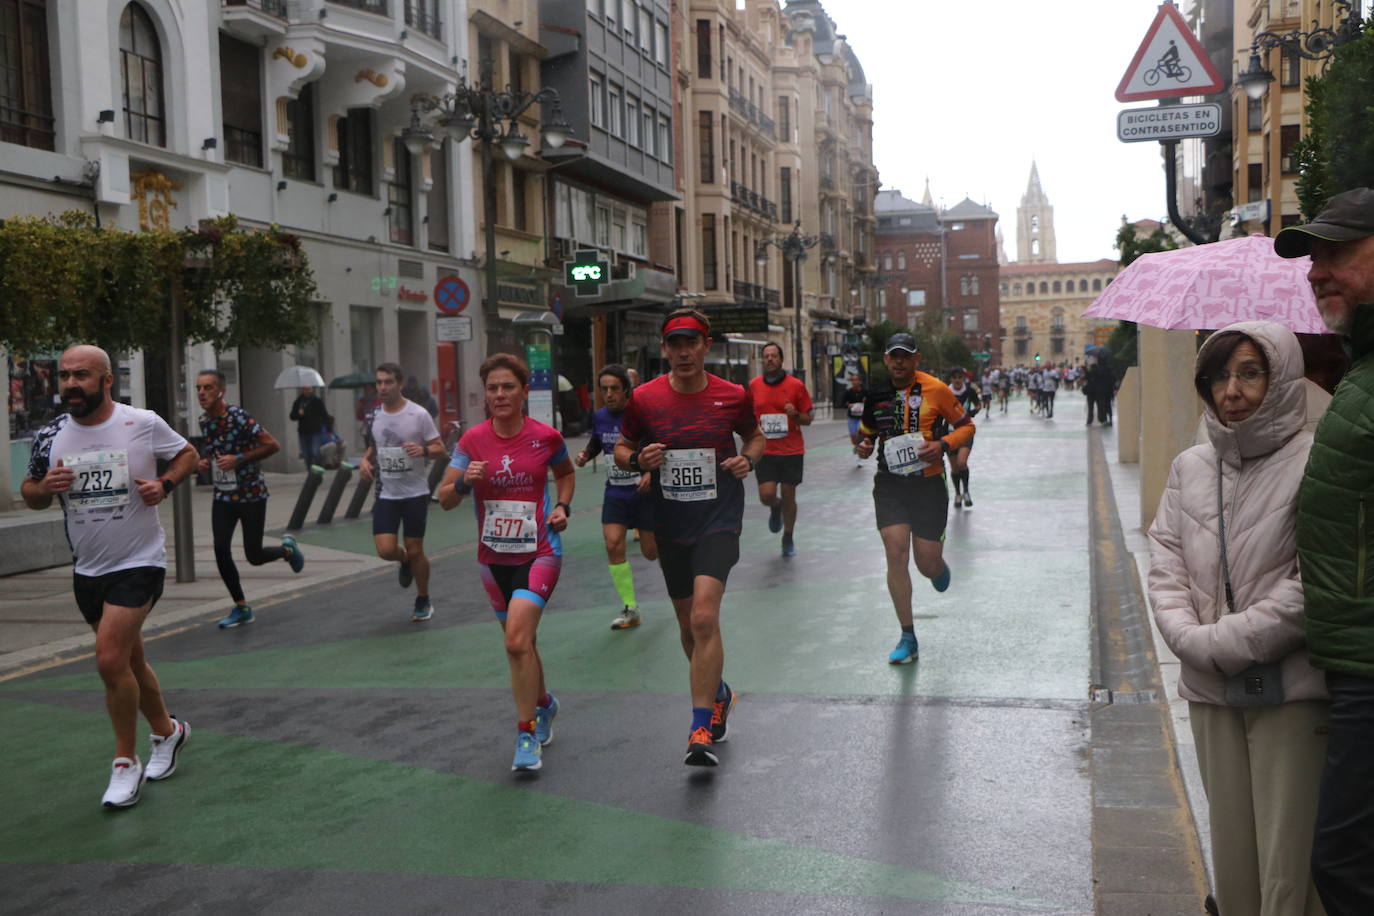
505, 462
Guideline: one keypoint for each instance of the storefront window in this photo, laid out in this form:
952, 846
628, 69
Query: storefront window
34, 398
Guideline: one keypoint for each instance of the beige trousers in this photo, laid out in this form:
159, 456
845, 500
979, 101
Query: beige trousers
1261, 767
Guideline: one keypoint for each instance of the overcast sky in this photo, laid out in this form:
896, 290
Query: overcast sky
968, 94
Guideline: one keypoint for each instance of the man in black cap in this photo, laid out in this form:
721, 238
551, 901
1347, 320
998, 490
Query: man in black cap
1335, 521
910, 499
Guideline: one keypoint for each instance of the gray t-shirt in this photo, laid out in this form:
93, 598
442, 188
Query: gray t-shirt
401, 476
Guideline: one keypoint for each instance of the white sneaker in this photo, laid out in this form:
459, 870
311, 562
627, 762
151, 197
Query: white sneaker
629, 617
162, 760
126, 782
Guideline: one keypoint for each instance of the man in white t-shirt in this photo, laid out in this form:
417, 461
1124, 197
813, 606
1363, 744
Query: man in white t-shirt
100, 460
1049, 384
400, 436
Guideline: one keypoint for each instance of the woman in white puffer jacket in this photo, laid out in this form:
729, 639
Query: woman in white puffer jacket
1258, 709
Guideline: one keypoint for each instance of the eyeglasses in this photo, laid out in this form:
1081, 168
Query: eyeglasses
1248, 377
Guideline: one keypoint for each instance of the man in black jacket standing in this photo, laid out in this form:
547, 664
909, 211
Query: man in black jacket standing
1100, 387
311, 419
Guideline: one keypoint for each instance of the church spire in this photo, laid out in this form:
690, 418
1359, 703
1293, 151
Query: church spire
1035, 224
925, 198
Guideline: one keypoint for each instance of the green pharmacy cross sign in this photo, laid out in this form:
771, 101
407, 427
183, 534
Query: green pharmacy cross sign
586, 272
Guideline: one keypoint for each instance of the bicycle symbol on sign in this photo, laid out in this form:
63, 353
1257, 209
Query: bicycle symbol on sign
1168, 65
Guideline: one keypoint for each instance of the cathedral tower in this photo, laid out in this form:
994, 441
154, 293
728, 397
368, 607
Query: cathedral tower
1035, 224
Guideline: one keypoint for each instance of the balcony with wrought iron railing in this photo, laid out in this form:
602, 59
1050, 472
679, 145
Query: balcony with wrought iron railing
754, 201
424, 15
752, 113
756, 294
271, 7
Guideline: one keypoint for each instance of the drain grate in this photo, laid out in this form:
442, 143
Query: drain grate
1123, 697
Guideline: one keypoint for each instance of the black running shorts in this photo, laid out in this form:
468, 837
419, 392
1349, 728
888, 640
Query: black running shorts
389, 514
122, 588
921, 502
714, 555
779, 469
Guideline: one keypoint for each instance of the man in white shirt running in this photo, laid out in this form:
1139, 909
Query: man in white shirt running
400, 436
100, 460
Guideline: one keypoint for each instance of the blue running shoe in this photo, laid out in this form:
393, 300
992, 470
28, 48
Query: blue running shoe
527, 753
424, 609
543, 721
241, 614
906, 651
941, 582
788, 548
775, 519
294, 558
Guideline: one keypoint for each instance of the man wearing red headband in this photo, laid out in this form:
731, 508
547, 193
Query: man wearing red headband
680, 427
783, 406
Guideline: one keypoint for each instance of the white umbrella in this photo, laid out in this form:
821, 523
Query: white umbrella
298, 377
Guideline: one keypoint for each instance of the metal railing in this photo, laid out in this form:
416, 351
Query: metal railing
755, 201
752, 113
380, 7
272, 7
754, 293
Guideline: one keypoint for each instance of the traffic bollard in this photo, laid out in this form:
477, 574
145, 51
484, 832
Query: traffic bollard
312, 483
335, 494
355, 505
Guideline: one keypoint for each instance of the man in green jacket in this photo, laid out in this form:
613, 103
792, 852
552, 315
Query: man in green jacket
1335, 553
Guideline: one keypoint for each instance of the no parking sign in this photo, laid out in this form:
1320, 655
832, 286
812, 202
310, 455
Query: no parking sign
451, 295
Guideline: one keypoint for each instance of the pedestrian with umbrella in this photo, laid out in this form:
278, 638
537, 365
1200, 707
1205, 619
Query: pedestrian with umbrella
308, 410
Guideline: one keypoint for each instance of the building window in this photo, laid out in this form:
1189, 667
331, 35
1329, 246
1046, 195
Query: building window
1288, 141
598, 103
1057, 320
1057, 346
661, 44
649, 127
1021, 324
603, 227
706, 142
618, 236
354, 171
1022, 347
627, 16
915, 298
901, 260
1290, 69
632, 122
614, 124
1254, 182
704, 49
298, 159
1254, 115
785, 195
612, 10
1097, 284
646, 31
1016, 289
519, 202
665, 139
423, 15
708, 251
594, 7
25, 82
1044, 288
784, 119
639, 239
437, 198
887, 260
140, 62
970, 321
400, 196
1057, 287
516, 70
240, 86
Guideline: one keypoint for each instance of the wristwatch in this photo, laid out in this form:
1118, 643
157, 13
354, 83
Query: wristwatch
168, 485
567, 509
634, 461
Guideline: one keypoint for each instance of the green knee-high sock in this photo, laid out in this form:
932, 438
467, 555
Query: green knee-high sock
624, 579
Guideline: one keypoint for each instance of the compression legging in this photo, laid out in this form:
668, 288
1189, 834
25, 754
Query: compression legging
224, 517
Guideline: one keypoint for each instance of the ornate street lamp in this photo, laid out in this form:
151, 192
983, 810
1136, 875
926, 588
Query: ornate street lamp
1318, 44
793, 247
490, 118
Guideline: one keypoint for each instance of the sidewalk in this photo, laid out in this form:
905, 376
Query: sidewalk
39, 622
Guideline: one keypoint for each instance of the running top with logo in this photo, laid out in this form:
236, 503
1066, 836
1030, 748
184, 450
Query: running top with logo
968, 397
694, 497
854, 402
232, 433
605, 434
400, 476
901, 418
512, 499
108, 525
782, 434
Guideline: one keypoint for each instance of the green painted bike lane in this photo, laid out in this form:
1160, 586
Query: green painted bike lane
1004, 658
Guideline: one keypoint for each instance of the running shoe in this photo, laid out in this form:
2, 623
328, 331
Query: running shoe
906, 651
775, 519
424, 609
241, 614
126, 783
968, 500
720, 712
858, 462
958, 499
528, 755
788, 548
629, 617
294, 558
543, 721
941, 582
701, 749
162, 760
405, 576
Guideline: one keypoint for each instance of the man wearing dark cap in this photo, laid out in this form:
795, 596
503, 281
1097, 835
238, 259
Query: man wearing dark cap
681, 428
910, 499
1335, 528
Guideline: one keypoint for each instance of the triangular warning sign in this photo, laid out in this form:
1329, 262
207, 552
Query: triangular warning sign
1169, 64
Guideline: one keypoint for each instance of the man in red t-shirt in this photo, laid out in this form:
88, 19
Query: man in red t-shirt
783, 406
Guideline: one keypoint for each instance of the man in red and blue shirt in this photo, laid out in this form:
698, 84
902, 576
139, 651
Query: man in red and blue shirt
680, 428
783, 406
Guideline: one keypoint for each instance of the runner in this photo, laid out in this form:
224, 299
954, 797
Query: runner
394, 433
783, 406
626, 504
505, 462
854, 408
909, 495
1049, 384
234, 444
1004, 390
680, 427
969, 399
100, 460
985, 390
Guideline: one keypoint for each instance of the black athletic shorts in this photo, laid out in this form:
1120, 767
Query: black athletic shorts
779, 469
389, 514
921, 502
633, 512
123, 587
714, 555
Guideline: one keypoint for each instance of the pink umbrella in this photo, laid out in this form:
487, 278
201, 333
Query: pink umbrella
1211, 286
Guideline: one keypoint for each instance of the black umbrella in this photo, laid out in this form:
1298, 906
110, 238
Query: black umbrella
353, 380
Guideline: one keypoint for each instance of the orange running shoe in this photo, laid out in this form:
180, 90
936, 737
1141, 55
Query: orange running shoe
720, 711
701, 749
